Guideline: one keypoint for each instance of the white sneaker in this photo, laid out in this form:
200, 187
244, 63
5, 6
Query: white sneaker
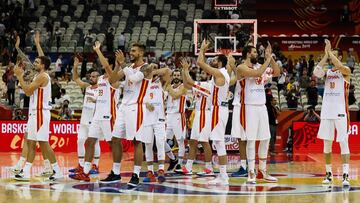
346, 181
55, 176
14, 169
251, 178
328, 178
265, 176
22, 177
45, 173
220, 180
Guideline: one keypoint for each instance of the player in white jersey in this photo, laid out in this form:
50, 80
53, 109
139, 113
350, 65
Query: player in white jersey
102, 124
237, 129
38, 125
219, 109
334, 110
201, 128
256, 123
47, 166
155, 123
87, 114
176, 119
129, 123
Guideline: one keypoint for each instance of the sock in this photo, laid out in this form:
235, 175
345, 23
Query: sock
96, 161
116, 168
189, 164
223, 170
180, 161
328, 168
346, 168
151, 168
243, 164
20, 163
208, 165
27, 168
262, 164
137, 170
87, 167
81, 162
162, 167
47, 165
56, 167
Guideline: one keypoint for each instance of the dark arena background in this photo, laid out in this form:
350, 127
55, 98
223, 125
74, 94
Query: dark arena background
173, 30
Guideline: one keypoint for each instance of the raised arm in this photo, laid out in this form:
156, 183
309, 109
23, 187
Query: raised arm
231, 70
337, 63
176, 94
76, 78
37, 43
219, 78
118, 72
29, 88
187, 80
102, 58
21, 54
244, 71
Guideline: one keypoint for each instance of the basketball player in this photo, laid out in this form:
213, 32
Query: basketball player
202, 120
47, 171
129, 123
155, 123
219, 110
102, 124
237, 129
175, 118
334, 110
254, 117
87, 114
38, 125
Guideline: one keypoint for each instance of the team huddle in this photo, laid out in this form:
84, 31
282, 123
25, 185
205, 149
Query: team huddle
152, 109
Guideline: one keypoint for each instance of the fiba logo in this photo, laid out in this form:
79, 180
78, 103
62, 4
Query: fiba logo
226, 4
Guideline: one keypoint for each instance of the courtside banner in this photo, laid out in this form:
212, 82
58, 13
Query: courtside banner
63, 136
306, 141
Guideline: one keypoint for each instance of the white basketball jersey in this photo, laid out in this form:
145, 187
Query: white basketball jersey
155, 96
41, 97
238, 92
175, 105
106, 101
219, 95
335, 99
201, 92
254, 91
134, 92
88, 109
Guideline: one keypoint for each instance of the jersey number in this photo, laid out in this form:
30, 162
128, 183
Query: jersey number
332, 85
101, 92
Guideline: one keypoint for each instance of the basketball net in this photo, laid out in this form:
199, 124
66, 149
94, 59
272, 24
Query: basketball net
226, 52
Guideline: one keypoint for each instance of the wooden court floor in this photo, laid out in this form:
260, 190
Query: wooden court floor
299, 181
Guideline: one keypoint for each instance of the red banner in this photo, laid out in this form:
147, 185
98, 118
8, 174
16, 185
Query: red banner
306, 141
63, 136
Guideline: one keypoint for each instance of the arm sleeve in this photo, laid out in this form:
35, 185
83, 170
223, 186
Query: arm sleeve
319, 72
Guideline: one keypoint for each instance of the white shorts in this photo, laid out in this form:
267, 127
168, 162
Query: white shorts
176, 125
101, 129
257, 122
129, 122
219, 119
38, 125
328, 126
156, 130
83, 131
238, 121
205, 122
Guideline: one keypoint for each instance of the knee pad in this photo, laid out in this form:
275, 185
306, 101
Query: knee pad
160, 150
263, 149
220, 147
327, 146
149, 154
181, 145
344, 147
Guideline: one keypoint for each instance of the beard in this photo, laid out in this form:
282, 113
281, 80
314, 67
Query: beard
176, 80
92, 83
253, 60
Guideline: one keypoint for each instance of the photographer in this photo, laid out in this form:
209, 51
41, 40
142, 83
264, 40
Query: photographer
65, 111
18, 115
311, 115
